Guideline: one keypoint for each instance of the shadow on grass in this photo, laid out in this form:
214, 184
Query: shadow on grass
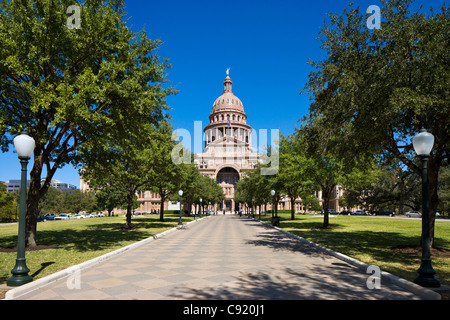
372, 247
99, 236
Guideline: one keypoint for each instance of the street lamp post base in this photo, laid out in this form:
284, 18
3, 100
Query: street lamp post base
20, 274
427, 282
426, 276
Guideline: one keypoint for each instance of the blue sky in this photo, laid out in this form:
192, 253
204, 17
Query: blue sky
266, 43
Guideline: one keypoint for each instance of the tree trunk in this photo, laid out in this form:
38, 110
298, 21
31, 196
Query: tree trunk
161, 206
130, 195
326, 195
33, 202
292, 208
433, 198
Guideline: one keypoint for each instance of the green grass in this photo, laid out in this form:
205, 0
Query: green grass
370, 240
78, 241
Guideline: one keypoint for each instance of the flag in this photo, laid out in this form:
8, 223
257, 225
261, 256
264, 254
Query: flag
229, 124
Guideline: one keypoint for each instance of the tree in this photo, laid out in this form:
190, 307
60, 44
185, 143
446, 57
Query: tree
322, 165
109, 196
293, 171
52, 201
166, 177
376, 89
444, 190
8, 203
125, 161
66, 87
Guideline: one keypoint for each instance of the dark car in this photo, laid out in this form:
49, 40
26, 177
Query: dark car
383, 212
346, 212
41, 219
359, 213
330, 211
50, 216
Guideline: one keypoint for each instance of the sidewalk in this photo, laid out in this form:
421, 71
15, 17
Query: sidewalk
223, 257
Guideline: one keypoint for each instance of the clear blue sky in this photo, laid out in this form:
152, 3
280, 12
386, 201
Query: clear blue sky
266, 43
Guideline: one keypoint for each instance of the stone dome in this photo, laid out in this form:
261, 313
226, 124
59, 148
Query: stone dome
228, 101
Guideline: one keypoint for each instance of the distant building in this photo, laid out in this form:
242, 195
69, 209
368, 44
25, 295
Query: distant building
14, 185
65, 187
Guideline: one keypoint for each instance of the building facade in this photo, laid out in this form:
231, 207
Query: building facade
14, 185
228, 150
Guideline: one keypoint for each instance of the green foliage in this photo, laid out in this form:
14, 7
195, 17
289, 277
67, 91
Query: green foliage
56, 201
444, 191
74, 89
375, 90
8, 203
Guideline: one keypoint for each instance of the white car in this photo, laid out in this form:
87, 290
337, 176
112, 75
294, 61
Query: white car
415, 214
78, 216
62, 216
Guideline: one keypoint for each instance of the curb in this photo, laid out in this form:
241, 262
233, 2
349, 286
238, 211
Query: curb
425, 293
42, 282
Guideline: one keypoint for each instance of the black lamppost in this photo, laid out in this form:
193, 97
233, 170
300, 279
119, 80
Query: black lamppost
423, 144
273, 204
180, 193
253, 207
24, 146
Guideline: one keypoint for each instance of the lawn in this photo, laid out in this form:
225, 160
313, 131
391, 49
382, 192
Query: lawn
381, 241
76, 241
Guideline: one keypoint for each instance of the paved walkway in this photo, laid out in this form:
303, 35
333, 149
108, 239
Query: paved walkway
221, 257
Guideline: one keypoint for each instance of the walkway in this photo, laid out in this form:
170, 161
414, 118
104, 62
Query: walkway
221, 257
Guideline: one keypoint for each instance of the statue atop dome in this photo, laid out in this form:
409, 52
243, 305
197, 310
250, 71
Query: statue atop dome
228, 72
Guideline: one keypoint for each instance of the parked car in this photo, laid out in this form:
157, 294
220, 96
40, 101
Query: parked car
330, 211
50, 216
62, 216
383, 212
346, 212
359, 213
415, 214
41, 219
78, 216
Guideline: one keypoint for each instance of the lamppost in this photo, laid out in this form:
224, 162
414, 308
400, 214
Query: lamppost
180, 193
201, 207
253, 207
273, 205
24, 146
423, 144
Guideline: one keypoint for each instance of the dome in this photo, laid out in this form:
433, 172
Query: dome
228, 101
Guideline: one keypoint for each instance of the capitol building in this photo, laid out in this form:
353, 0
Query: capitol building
227, 154
227, 151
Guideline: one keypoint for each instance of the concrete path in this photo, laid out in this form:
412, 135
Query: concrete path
224, 257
